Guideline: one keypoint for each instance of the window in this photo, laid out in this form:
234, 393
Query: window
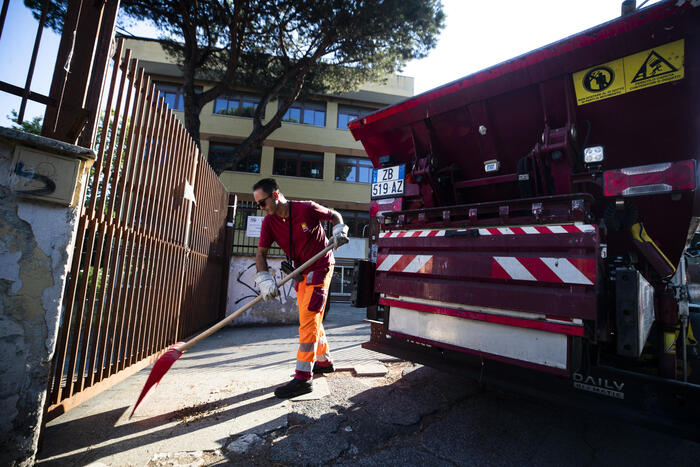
298, 163
240, 105
308, 113
250, 164
341, 284
357, 222
353, 169
346, 114
172, 93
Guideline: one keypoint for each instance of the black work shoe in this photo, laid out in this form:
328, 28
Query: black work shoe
295, 387
323, 369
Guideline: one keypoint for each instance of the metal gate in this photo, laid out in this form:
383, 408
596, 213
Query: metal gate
148, 266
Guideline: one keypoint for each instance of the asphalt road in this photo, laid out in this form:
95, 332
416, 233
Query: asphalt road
419, 416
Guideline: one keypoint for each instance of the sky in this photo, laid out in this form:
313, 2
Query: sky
477, 35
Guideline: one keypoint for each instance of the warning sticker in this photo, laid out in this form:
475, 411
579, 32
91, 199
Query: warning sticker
650, 67
656, 66
600, 82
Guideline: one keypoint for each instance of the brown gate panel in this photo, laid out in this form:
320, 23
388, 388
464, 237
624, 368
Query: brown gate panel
207, 261
148, 264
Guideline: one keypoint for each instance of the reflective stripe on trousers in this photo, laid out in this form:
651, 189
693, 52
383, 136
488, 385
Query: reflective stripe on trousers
313, 344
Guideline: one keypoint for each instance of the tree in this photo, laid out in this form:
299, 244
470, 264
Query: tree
288, 48
31, 126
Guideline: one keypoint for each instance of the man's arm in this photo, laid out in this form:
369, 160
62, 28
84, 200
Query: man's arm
261, 259
340, 230
336, 218
266, 283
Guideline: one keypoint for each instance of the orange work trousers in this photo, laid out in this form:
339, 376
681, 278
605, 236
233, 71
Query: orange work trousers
312, 294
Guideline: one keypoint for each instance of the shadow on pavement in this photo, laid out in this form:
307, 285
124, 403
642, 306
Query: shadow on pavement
66, 443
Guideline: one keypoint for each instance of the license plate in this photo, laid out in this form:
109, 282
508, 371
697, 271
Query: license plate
387, 182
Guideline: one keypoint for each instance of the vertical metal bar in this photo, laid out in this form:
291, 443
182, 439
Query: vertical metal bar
111, 161
145, 229
187, 215
82, 294
136, 142
32, 61
80, 69
95, 367
140, 149
166, 169
87, 344
145, 261
99, 162
149, 185
62, 344
132, 311
100, 63
115, 268
155, 299
158, 219
173, 228
3, 15
115, 207
132, 200
124, 309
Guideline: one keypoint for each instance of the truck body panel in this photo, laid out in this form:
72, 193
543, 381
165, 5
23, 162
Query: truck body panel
542, 212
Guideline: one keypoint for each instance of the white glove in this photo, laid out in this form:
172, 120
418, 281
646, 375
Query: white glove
340, 235
267, 285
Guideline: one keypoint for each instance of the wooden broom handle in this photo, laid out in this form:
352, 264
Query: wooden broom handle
237, 313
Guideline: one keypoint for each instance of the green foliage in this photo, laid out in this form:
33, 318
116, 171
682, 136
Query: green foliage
286, 48
29, 126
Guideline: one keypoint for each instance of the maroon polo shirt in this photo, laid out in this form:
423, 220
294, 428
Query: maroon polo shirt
308, 236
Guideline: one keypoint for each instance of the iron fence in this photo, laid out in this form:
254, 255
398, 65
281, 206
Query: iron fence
148, 266
243, 244
73, 102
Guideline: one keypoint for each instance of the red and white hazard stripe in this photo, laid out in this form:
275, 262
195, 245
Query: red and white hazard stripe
419, 264
565, 270
412, 233
523, 230
523, 268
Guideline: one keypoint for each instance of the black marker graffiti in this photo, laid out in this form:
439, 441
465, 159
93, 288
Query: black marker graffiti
285, 290
50, 185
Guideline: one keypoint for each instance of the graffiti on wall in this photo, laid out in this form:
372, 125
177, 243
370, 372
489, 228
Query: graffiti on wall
245, 279
242, 289
32, 176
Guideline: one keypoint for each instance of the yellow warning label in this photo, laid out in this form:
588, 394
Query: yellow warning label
655, 66
650, 67
670, 342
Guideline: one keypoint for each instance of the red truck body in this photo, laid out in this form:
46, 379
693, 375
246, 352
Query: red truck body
544, 209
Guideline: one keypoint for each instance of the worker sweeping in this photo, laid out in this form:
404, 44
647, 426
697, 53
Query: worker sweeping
296, 227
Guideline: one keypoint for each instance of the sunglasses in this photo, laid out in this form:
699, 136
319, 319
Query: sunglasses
261, 203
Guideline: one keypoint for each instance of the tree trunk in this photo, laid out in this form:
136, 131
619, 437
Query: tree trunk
192, 123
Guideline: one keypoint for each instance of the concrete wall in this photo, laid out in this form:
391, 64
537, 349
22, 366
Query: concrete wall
242, 289
41, 186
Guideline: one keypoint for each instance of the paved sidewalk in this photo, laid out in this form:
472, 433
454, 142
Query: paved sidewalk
216, 407
220, 389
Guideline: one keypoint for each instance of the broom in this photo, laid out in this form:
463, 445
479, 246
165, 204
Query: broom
164, 363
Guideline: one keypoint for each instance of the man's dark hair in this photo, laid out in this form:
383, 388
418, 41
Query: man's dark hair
268, 185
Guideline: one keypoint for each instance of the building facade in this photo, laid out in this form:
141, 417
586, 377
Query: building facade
312, 156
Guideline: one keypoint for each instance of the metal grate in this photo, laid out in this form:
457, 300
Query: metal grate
148, 265
242, 243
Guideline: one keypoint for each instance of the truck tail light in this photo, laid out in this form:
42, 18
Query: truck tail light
379, 206
650, 179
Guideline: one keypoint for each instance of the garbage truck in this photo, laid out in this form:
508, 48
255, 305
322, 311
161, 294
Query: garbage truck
528, 221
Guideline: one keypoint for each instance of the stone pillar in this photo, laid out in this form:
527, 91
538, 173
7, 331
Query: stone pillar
42, 185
